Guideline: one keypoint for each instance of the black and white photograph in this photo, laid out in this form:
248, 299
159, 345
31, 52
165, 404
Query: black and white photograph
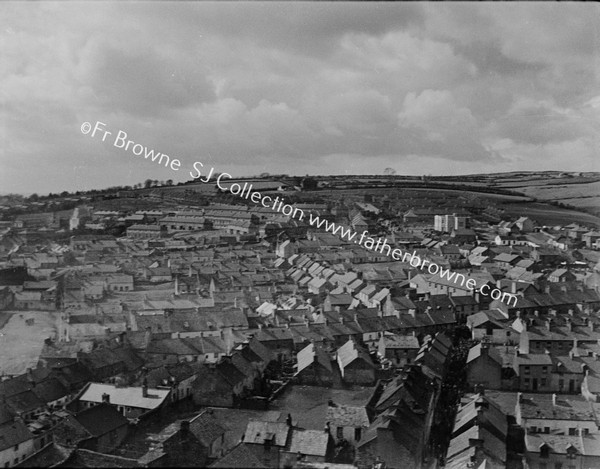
300, 234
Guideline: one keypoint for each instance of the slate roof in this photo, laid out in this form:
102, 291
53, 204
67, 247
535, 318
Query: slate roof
240, 457
125, 396
205, 428
347, 416
12, 434
309, 442
101, 419
258, 431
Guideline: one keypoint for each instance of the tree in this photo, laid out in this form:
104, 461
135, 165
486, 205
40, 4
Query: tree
389, 171
169, 182
148, 183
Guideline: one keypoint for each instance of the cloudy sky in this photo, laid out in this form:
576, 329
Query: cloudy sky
296, 88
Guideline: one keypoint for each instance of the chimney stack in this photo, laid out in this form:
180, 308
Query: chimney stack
145, 388
554, 399
184, 429
106, 398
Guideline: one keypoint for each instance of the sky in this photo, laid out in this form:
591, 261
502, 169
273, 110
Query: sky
295, 88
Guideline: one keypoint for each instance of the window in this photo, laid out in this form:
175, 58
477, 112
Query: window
357, 432
543, 381
572, 431
546, 429
526, 381
544, 369
339, 433
533, 429
527, 370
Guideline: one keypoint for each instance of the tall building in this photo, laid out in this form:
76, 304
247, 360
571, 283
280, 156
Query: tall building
449, 223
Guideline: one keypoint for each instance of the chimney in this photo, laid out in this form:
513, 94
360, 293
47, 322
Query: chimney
548, 323
288, 420
106, 398
590, 325
554, 399
147, 337
145, 388
184, 429
327, 428
30, 378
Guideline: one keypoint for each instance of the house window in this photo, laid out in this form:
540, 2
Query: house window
544, 369
357, 432
572, 431
526, 382
340, 433
533, 429
527, 370
546, 429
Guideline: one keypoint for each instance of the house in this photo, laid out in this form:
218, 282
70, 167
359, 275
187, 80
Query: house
348, 422
16, 441
281, 444
484, 367
525, 225
133, 402
479, 436
559, 429
268, 440
590, 238
209, 433
399, 349
491, 325
221, 384
356, 366
395, 439
99, 428
314, 366
561, 276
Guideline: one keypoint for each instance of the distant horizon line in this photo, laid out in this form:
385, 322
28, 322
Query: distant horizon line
284, 175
